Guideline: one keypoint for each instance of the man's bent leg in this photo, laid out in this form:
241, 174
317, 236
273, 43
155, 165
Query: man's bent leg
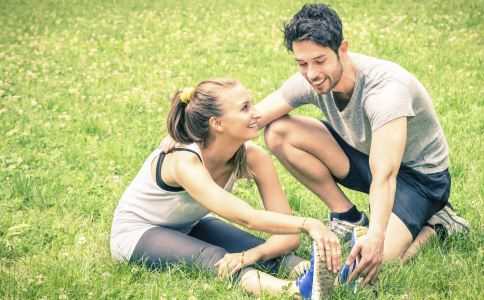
307, 149
422, 238
397, 239
411, 210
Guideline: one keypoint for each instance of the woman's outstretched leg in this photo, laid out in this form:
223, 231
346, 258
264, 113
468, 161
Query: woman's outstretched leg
160, 246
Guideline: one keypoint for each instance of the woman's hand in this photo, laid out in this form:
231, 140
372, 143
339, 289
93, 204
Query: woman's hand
327, 242
231, 263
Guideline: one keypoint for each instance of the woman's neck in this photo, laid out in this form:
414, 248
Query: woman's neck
219, 152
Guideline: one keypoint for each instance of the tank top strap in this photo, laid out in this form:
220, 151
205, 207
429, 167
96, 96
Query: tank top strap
193, 148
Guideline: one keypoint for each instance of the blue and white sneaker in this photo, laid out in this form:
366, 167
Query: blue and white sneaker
317, 282
344, 274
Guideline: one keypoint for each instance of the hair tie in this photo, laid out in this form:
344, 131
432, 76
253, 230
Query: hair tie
186, 95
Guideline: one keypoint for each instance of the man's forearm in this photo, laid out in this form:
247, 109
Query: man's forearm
382, 197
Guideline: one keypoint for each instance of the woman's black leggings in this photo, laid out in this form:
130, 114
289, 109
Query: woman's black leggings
205, 245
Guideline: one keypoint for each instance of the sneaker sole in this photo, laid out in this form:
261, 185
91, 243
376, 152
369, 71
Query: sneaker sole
323, 279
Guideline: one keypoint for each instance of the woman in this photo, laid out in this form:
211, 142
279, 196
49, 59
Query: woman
162, 216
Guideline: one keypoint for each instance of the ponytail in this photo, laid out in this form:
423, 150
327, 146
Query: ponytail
176, 120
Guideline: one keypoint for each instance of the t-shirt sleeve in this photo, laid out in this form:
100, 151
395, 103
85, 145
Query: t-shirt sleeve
388, 103
297, 91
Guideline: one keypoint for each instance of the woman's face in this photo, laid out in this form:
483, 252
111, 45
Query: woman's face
240, 118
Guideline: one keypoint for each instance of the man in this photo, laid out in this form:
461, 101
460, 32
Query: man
381, 137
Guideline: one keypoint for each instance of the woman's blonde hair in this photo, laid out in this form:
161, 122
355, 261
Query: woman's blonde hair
191, 110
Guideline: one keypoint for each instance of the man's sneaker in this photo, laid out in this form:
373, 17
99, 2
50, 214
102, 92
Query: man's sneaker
344, 274
317, 282
447, 223
344, 229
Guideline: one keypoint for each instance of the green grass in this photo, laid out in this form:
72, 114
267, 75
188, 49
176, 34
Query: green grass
84, 89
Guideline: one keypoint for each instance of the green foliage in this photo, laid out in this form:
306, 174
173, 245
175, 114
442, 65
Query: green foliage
84, 88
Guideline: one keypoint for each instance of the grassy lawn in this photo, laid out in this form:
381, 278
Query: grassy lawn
84, 89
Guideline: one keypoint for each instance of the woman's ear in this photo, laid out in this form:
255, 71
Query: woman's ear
215, 124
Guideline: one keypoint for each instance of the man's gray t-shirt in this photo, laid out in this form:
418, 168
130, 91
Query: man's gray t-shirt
383, 92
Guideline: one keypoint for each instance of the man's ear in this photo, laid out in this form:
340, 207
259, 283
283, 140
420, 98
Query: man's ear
215, 124
343, 48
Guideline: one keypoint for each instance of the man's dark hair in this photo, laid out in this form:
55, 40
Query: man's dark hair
315, 22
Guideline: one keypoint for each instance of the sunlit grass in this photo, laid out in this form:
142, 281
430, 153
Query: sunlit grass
84, 89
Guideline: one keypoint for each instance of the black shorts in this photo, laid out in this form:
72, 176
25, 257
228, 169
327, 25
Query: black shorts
417, 197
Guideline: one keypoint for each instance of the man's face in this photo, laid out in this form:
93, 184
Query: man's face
319, 65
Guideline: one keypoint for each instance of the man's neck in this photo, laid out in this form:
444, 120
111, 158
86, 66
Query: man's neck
344, 89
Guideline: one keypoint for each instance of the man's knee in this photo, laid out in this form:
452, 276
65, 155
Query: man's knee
397, 239
275, 133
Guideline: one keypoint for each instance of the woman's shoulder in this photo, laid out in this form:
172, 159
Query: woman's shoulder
167, 145
182, 157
